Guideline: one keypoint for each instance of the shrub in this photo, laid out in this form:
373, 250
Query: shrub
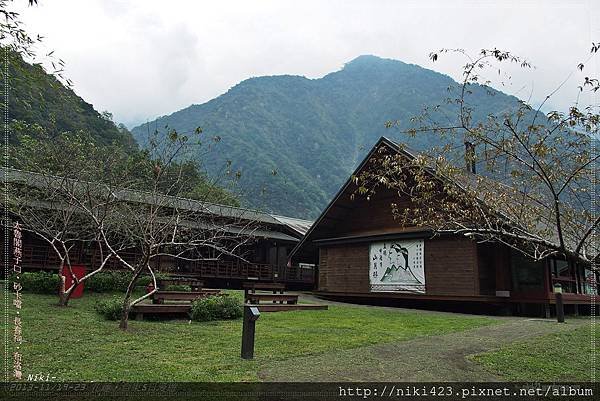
116, 281
42, 282
144, 280
39, 282
216, 308
111, 281
178, 287
110, 308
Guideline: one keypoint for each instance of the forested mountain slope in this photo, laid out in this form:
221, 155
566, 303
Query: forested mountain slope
50, 122
296, 139
36, 97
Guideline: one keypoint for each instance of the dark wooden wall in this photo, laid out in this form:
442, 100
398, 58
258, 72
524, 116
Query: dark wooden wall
450, 267
359, 216
344, 268
451, 263
370, 217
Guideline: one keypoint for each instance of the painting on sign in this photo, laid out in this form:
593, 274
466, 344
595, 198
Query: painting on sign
397, 266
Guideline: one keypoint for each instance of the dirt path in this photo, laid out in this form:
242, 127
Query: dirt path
437, 358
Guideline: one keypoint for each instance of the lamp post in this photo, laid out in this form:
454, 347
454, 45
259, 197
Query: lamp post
560, 309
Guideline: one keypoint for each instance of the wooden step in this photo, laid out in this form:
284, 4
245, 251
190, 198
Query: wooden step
161, 308
289, 307
203, 291
151, 309
263, 286
183, 295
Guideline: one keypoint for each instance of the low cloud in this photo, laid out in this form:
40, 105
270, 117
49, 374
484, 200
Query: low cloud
141, 60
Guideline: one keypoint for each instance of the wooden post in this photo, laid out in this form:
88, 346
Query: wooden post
560, 308
251, 315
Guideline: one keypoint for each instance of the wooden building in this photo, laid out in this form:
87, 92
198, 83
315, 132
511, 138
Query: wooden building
363, 253
272, 237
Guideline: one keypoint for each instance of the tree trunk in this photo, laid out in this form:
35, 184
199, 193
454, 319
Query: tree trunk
65, 295
126, 302
63, 298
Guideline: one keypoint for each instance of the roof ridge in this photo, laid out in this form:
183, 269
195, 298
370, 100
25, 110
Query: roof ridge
266, 216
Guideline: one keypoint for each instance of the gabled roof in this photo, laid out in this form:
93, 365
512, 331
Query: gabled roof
297, 225
382, 141
463, 181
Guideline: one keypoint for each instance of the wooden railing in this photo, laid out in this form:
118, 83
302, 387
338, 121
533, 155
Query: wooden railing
299, 274
251, 271
233, 270
38, 256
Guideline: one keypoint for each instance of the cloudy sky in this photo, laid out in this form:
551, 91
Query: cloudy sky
140, 59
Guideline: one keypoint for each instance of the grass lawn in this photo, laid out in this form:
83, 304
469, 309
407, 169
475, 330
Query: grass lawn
74, 343
564, 356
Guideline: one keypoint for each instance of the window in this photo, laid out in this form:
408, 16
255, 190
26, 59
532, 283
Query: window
560, 268
562, 274
527, 275
589, 277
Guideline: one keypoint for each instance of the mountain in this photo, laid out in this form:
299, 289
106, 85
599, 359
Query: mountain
297, 139
36, 97
53, 116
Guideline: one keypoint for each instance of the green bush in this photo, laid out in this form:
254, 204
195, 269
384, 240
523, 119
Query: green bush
116, 281
113, 281
144, 280
177, 287
216, 308
110, 308
42, 282
39, 282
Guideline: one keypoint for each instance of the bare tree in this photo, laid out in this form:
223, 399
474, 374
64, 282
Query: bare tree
56, 172
124, 203
539, 170
38, 203
156, 222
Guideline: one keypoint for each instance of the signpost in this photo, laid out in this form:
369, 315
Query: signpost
251, 315
560, 309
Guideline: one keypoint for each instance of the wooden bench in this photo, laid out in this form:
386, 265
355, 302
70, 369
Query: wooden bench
289, 307
195, 284
263, 286
250, 288
254, 298
161, 296
153, 309
158, 309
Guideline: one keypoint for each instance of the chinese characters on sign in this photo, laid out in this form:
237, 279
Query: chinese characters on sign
17, 302
397, 266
